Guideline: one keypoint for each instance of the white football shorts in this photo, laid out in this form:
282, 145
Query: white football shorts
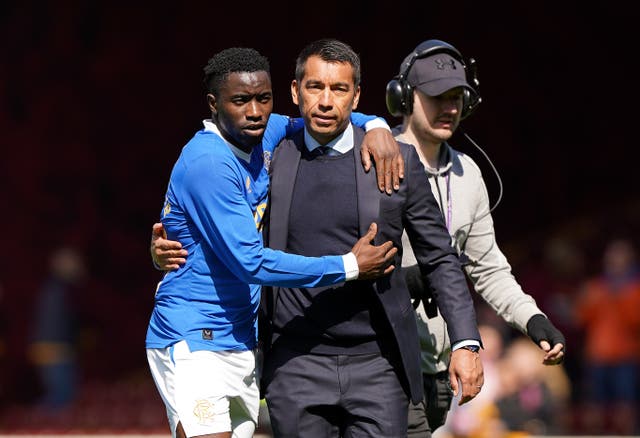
207, 391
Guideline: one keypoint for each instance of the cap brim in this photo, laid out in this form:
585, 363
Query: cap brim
439, 86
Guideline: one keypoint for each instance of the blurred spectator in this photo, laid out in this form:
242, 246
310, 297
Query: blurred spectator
556, 277
609, 312
52, 348
479, 419
531, 395
520, 396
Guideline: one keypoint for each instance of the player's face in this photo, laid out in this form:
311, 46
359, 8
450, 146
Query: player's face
243, 107
436, 118
326, 96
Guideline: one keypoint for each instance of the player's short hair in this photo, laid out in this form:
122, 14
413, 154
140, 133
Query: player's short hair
232, 60
329, 50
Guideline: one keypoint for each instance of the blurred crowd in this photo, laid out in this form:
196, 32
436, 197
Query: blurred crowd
597, 389
76, 285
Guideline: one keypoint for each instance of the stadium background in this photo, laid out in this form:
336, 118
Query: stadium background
98, 97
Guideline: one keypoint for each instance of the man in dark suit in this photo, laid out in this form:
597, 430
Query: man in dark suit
344, 360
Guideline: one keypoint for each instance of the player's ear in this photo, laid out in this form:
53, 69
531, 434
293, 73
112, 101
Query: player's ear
211, 100
294, 91
356, 98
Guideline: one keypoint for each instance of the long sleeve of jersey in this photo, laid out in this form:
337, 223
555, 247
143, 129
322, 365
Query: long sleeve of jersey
214, 192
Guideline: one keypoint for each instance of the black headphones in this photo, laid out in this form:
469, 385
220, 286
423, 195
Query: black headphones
399, 93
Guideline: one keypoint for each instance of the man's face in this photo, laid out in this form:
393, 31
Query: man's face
243, 107
436, 118
326, 96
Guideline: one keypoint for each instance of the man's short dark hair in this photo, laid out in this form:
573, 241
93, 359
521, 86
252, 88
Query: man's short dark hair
329, 50
232, 60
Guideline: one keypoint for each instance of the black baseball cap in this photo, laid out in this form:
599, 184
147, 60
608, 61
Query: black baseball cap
437, 74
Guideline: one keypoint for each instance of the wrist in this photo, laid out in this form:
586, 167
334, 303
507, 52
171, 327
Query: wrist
466, 343
351, 268
378, 122
535, 322
471, 348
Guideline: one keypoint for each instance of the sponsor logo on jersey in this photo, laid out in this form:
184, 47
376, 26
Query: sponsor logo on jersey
259, 214
266, 157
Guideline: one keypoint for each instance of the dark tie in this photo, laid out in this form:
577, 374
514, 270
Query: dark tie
328, 151
324, 150
320, 150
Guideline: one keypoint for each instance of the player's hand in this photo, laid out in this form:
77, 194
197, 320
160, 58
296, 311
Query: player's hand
373, 261
466, 369
380, 144
544, 334
167, 255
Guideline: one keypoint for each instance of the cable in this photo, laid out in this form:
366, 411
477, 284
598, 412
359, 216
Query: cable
459, 233
495, 171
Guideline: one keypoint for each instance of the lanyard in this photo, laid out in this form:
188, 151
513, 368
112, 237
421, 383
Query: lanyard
449, 210
449, 202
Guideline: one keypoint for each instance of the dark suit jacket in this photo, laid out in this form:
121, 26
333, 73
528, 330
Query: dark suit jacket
413, 207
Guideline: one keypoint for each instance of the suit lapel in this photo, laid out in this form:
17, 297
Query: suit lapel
285, 167
368, 194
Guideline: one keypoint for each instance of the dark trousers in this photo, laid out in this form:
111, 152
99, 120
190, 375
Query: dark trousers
311, 395
431, 413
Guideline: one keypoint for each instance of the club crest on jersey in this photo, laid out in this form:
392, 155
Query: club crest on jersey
203, 411
167, 208
266, 157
